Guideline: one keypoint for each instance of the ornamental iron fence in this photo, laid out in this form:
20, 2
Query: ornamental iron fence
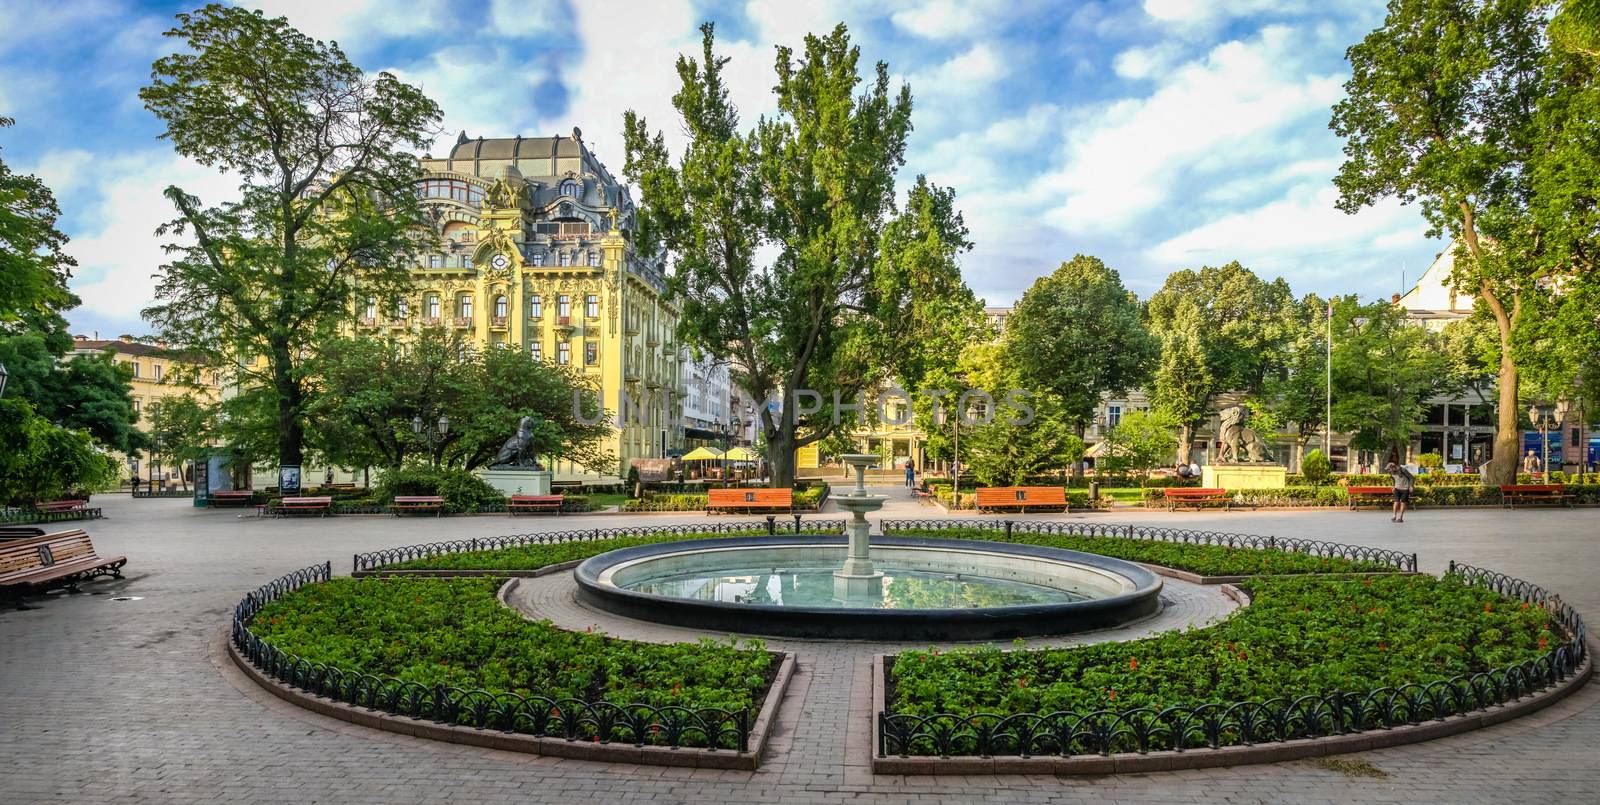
1216, 725
569, 719
1399, 560
376, 560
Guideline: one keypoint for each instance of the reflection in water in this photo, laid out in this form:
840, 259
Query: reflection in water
812, 586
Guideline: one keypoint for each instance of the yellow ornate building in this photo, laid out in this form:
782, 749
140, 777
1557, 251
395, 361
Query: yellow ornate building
538, 254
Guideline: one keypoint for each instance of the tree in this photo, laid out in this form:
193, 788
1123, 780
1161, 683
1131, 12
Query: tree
327, 211
43, 461
1384, 371
1076, 333
1140, 442
33, 268
1440, 110
1315, 467
1232, 340
815, 182
184, 427
1298, 394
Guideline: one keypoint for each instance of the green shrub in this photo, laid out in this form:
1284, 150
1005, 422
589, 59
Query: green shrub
1165, 482
652, 502
1430, 461
1298, 637
533, 557
1315, 467
462, 491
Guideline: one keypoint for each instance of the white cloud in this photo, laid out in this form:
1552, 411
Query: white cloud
356, 24
521, 17
1152, 61
454, 78
939, 19
29, 22
63, 171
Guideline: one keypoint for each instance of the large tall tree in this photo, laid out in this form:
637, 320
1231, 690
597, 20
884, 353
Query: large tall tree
1298, 393
816, 183
327, 209
1384, 371
1077, 334
1441, 109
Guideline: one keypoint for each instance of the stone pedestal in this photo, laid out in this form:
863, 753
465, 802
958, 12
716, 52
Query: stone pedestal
1243, 476
519, 482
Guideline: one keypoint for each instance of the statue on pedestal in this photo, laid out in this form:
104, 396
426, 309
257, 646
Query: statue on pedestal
1240, 444
518, 452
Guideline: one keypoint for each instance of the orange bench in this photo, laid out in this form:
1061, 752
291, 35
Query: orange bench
417, 503
1195, 496
535, 503
320, 504
749, 499
1368, 494
53, 560
994, 498
1538, 493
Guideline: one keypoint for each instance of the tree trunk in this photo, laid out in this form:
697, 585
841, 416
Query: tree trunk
1077, 461
780, 453
1503, 465
1185, 441
291, 431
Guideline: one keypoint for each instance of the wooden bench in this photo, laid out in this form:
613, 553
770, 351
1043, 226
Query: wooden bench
1510, 494
749, 500
1020, 498
921, 495
518, 504
1358, 495
232, 497
417, 504
321, 504
1195, 496
52, 560
65, 510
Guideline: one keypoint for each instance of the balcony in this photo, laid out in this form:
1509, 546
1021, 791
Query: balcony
499, 322
462, 322
431, 321
397, 323
369, 321
564, 324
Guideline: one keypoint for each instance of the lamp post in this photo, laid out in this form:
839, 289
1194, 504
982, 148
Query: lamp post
1543, 417
443, 427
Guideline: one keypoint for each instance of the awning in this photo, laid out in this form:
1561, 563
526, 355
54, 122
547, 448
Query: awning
702, 433
703, 454
1100, 449
743, 454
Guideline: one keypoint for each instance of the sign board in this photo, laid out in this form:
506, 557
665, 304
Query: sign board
807, 458
653, 469
289, 479
202, 484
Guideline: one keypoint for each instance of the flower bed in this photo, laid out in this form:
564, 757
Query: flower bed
1206, 560
453, 633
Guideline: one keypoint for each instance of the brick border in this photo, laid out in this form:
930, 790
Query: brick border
1203, 758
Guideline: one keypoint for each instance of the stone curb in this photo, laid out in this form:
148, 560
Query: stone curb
528, 744
1196, 578
1129, 763
446, 573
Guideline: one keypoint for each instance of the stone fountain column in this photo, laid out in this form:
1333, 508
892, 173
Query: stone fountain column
857, 580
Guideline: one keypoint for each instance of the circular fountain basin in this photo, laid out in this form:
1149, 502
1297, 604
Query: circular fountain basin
932, 589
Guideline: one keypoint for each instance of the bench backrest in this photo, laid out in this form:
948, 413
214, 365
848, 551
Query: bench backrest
61, 504
418, 499
1532, 488
741, 497
1193, 492
1370, 490
1008, 495
538, 498
17, 556
305, 501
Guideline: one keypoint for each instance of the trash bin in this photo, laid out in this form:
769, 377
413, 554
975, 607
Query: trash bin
1094, 490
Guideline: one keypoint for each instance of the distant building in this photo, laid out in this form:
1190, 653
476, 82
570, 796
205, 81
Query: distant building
159, 373
707, 404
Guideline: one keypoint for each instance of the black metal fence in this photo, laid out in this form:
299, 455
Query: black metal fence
541, 716
1331, 550
1212, 726
375, 560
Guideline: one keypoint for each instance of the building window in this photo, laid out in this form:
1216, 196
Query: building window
563, 353
594, 258
500, 307
563, 306
136, 406
537, 258
135, 365
566, 258
535, 307
464, 306
157, 369
372, 307
1113, 415
453, 189
536, 351
569, 188
591, 306
432, 306
402, 309
435, 261
466, 261
591, 353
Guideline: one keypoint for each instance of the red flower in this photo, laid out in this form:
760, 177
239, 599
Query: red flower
1543, 642
1488, 608
1133, 664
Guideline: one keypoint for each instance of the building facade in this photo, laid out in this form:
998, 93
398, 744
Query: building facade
537, 255
159, 373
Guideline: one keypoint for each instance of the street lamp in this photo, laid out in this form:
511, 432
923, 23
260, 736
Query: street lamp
443, 427
1543, 418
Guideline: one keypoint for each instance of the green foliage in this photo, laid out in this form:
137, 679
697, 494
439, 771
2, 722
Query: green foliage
326, 213
1141, 441
1207, 560
34, 268
1298, 637
657, 502
1385, 370
1315, 468
83, 392
183, 427
815, 180
1076, 334
1430, 461
533, 557
462, 491
43, 461
454, 632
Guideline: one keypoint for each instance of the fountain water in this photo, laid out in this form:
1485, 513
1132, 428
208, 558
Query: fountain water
857, 580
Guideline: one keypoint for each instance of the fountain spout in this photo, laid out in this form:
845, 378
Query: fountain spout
857, 580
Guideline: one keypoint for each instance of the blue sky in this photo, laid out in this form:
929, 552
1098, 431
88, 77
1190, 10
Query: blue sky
1159, 135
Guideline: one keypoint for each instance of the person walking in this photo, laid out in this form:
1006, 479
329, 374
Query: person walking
1404, 482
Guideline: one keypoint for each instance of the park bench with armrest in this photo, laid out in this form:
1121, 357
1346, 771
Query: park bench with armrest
1358, 495
1021, 498
517, 504
61, 559
232, 497
320, 504
1511, 494
749, 500
417, 504
65, 510
1195, 496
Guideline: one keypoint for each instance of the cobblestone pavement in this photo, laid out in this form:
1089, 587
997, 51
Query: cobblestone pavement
132, 701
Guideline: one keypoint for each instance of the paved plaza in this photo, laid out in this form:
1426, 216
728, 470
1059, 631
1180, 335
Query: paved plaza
133, 701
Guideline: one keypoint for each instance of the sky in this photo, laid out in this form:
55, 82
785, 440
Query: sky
1158, 136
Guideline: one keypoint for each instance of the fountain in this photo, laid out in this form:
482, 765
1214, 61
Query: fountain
857, 580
